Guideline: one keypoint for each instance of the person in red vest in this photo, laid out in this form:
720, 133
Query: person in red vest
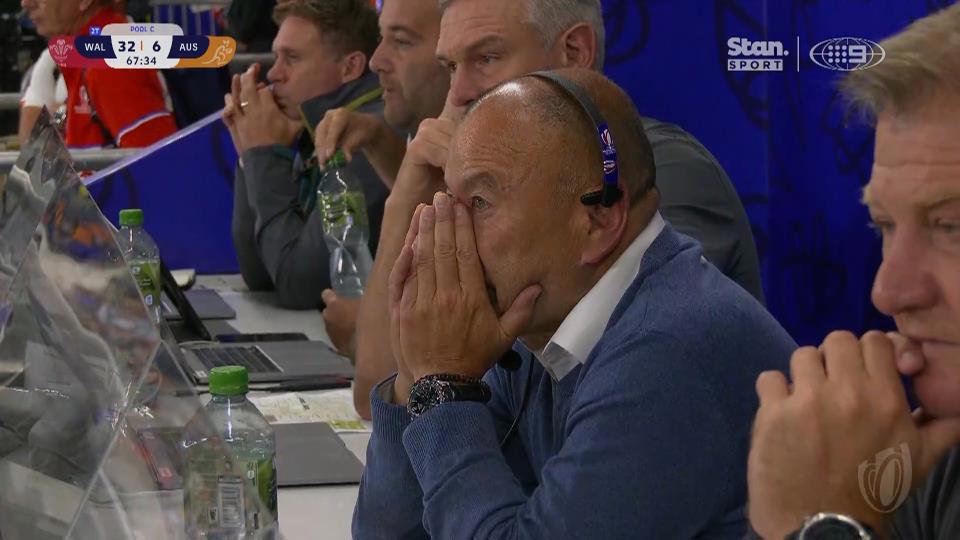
105, 107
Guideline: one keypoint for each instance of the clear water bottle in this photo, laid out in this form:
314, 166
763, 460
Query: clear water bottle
143, 257
225, 443
345, 227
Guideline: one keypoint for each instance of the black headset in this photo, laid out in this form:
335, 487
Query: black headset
608, 195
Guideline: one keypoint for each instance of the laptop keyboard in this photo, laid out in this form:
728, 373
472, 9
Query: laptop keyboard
251, 358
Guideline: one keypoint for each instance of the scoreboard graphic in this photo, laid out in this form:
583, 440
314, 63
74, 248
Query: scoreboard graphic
141, 46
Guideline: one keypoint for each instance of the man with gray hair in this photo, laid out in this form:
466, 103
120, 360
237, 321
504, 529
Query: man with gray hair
632, 353
486, 42
838, 453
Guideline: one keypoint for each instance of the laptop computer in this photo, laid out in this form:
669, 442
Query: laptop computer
266, 362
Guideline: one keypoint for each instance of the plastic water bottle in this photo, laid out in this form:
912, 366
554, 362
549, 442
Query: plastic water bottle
225, 443
143, 257
345, 227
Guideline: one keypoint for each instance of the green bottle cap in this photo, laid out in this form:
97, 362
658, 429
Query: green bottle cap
338, 160
228, 381
131, 217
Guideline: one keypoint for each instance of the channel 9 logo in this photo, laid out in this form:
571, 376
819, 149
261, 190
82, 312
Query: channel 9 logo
847, 54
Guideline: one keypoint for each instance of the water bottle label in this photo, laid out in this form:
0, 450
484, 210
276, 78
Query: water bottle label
357, 207
147, 276
219, 501
230, 507
263, 474
342, 211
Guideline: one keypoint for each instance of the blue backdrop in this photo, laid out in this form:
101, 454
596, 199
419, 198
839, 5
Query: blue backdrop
782, 137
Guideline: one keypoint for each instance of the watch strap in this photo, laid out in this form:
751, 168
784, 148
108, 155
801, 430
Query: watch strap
432, 390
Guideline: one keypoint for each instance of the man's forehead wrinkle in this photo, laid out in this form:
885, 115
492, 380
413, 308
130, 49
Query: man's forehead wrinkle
926, 186
493, 156
930, 134
494, 141
465, 31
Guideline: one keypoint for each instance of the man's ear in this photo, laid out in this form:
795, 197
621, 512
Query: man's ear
354, 65
578, 46
605, 230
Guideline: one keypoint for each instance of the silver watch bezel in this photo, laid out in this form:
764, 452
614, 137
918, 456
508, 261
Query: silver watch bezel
824, 516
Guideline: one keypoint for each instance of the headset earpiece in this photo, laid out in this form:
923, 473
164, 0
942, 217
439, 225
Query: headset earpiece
610, 193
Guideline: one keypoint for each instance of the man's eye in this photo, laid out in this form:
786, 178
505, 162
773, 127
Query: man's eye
881, 227
488, 59
947, 226
479, 203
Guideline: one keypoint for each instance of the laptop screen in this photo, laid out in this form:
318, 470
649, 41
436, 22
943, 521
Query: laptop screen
180, 301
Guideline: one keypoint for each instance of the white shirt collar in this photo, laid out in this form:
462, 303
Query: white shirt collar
584, 325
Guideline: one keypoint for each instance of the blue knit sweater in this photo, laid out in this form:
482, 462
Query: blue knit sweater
647, 440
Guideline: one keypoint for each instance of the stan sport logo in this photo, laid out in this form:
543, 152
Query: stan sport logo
837, 54
746, 55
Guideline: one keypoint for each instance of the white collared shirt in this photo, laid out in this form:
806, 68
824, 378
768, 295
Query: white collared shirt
584, 325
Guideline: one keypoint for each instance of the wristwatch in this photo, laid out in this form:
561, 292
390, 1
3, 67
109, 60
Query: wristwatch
826, 526
432, 390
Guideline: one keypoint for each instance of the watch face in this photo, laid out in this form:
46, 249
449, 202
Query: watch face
831, 529
428, 394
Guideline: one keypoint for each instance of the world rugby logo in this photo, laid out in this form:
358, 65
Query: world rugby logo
886, 480
847, 54
607, 139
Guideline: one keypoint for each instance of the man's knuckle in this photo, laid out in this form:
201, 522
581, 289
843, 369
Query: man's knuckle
877, 340
849, 404
839, 337
768, 379
446, 300
890, 410
803, 356
445, 251
465, 254
804, 399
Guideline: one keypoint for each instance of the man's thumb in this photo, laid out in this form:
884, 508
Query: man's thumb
513, 321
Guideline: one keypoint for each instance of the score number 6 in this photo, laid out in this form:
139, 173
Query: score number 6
131, 46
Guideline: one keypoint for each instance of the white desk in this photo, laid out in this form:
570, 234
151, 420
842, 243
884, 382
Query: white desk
306, 513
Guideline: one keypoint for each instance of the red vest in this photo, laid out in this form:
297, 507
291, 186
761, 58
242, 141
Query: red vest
128, 103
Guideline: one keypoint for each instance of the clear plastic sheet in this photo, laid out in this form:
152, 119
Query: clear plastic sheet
92, 404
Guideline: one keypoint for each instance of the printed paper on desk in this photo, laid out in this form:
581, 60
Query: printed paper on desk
334, 407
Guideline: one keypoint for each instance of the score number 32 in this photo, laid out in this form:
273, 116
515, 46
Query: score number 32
131, 46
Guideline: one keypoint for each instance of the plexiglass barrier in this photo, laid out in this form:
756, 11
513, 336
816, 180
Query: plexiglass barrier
93, 403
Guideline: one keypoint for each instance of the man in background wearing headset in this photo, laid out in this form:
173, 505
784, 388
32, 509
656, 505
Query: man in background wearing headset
550, 230
486, 42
